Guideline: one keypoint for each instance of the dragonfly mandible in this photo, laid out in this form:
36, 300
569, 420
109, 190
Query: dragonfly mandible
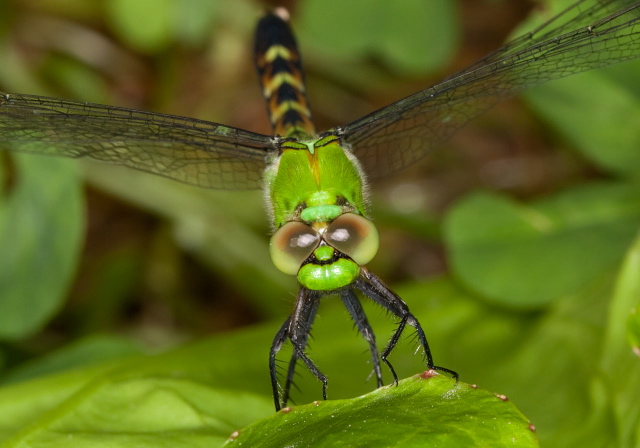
316, 183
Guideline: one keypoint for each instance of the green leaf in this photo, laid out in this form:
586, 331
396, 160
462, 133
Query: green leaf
626, 299
425, 410
633, 330
598, 124
528, 255
411, 36
543, 361
161, 411
618, 357
193, 20
87, 351
548, 362
158, 404
41, 229
156, 15
88, 401
185, 397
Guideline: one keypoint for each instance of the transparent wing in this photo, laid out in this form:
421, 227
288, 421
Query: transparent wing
192, 151
589, 34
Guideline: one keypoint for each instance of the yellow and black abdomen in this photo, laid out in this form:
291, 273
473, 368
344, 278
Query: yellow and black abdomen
280, 72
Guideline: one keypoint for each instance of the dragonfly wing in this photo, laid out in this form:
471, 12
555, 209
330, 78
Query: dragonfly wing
192, 151
590, 34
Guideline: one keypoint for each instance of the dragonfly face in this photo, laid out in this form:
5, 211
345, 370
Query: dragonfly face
315, 187
316, 194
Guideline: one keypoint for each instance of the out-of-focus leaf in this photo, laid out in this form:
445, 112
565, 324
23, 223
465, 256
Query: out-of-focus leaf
544, 362
633, 330
173, 400
166, 400
618, 357
91, 350
150, 411
90, 399
623, 306
78, 79
41, 227
603, 124
165, 22
156, 15
528, 255
425, 410
411, 36
193, 20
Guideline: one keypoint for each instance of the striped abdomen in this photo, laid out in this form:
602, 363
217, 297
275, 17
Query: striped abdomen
281, 77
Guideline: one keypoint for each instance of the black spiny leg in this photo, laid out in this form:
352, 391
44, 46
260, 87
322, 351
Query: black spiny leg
291, 370
281, 337
376, 290
354, 307
302, 317
296, 328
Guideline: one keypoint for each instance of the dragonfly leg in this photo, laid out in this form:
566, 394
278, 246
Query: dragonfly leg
354, 307
302, 318
291, 370
281, 337
376, 290
296, 329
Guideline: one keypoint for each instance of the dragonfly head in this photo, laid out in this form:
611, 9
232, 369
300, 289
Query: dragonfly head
326, 255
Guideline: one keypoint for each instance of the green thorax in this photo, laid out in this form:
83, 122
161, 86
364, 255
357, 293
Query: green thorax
314, 181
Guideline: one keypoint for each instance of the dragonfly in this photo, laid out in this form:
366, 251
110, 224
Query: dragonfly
316, 183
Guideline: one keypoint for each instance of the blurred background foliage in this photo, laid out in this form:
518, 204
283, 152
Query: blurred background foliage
507, 243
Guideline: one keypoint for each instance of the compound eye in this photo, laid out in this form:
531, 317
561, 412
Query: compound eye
354, 236
291, 245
